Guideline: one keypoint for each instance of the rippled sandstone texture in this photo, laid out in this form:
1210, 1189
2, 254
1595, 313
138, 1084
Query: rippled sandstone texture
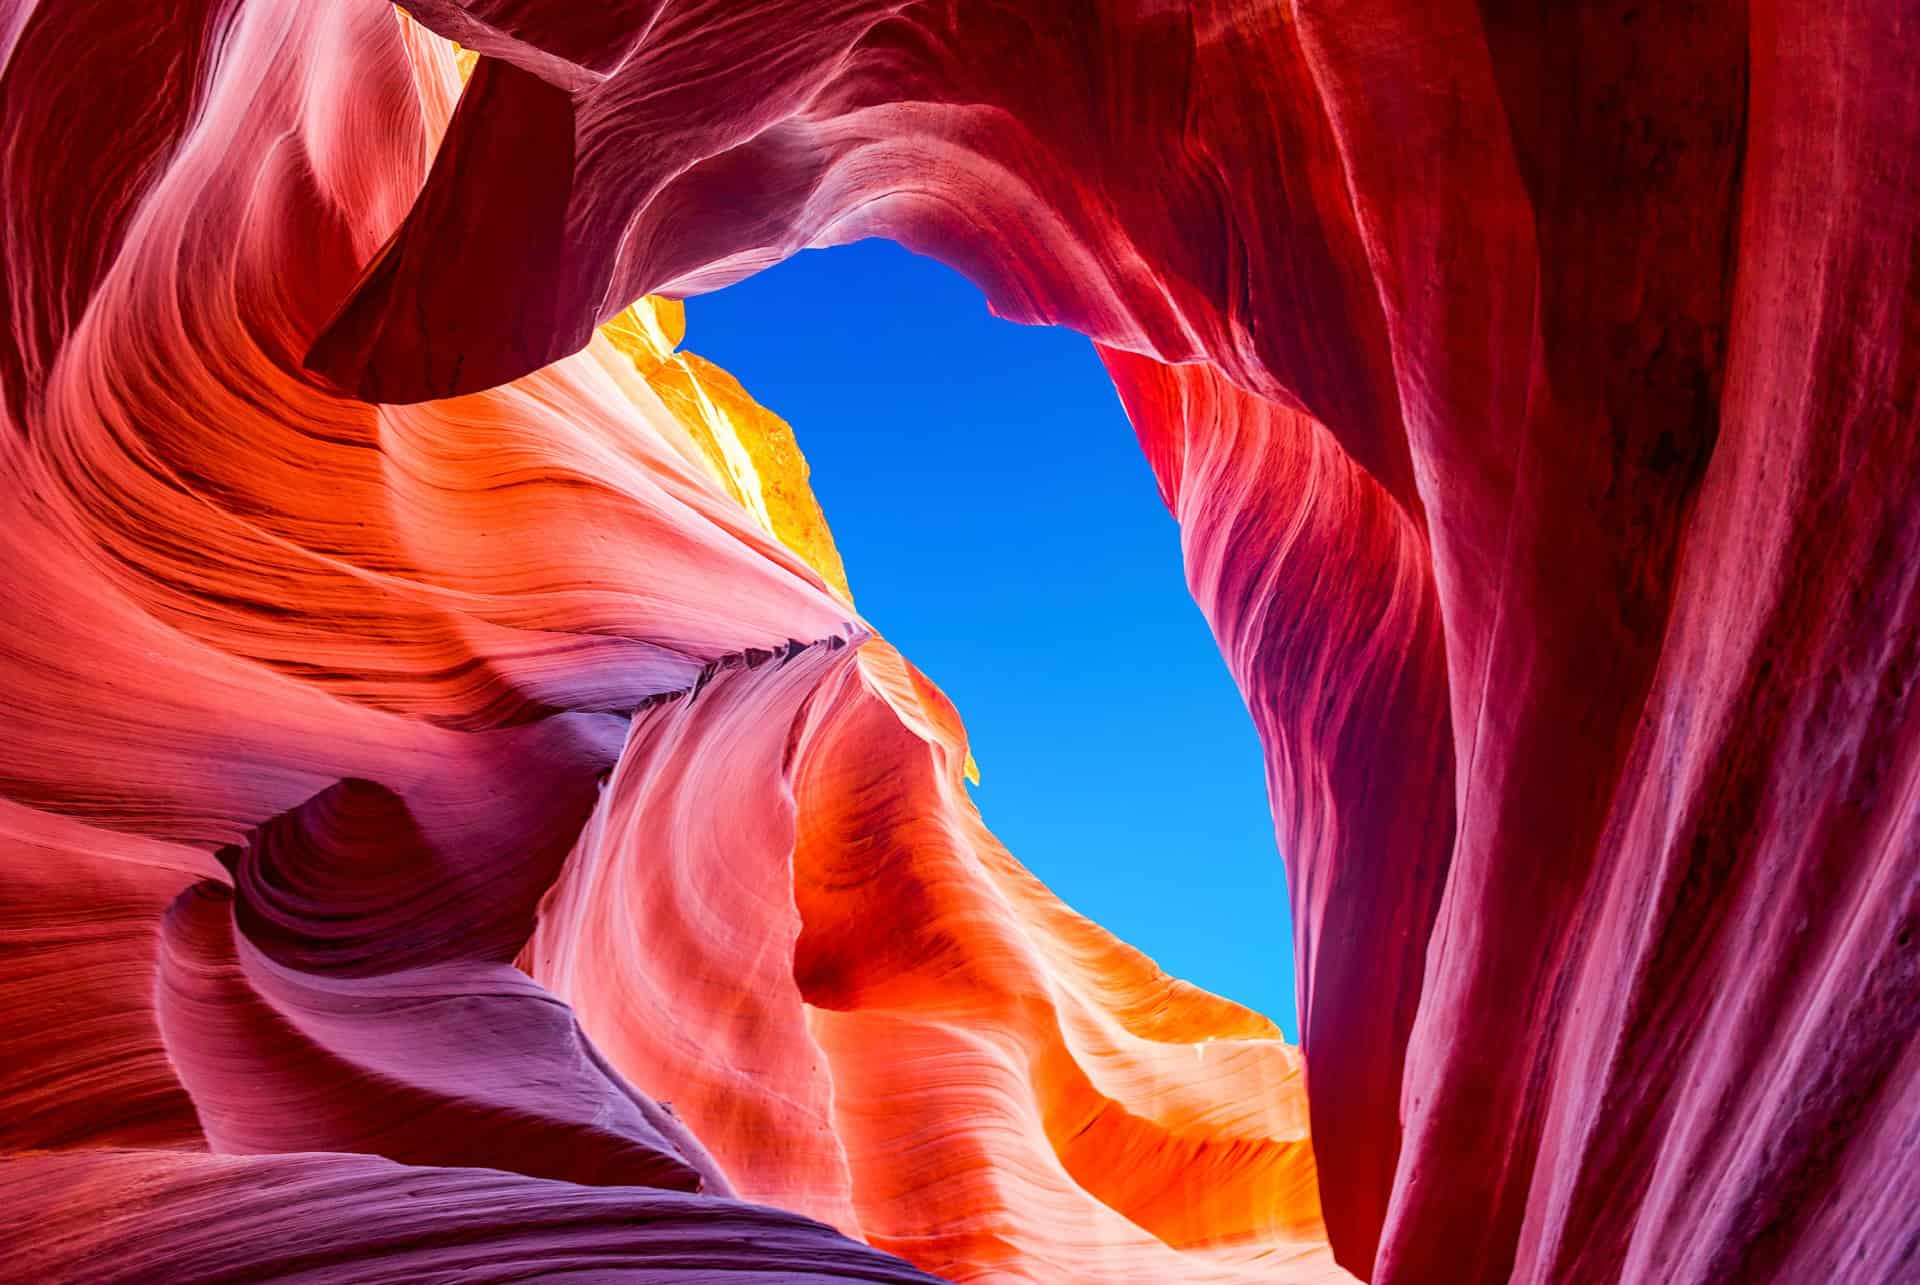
1536, 390
481, 837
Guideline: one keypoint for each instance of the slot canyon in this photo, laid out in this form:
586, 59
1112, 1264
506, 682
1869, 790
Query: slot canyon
456, 823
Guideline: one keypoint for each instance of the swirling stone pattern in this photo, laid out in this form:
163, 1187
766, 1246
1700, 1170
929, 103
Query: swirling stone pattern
390, 604
1537, 388
479, 839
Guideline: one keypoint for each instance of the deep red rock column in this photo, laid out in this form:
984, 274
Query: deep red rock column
1319, 590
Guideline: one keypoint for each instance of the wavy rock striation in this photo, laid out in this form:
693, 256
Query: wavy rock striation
440, 735
479, 837
1538, 390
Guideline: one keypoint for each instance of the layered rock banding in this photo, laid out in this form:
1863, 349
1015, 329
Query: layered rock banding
440, 735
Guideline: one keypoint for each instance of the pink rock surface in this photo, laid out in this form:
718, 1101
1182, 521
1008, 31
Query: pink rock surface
323, 715
1536, 389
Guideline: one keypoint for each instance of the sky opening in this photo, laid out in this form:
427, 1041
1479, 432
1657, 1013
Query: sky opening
1001, 527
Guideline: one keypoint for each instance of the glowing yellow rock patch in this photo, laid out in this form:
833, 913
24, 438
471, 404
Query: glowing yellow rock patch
750, 450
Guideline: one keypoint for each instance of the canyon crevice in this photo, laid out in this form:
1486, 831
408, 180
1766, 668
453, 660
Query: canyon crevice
450, 793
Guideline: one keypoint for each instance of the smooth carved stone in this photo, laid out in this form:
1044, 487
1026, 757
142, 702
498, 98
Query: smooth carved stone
1536, 390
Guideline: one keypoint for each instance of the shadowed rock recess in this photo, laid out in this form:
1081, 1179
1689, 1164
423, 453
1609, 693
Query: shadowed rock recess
436, 735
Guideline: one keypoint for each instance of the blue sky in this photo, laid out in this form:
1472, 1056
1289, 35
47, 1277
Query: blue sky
1000, 527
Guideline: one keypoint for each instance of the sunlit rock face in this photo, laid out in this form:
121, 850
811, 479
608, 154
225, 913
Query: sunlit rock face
439, 736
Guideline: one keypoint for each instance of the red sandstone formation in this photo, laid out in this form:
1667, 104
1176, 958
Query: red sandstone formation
1536, 390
